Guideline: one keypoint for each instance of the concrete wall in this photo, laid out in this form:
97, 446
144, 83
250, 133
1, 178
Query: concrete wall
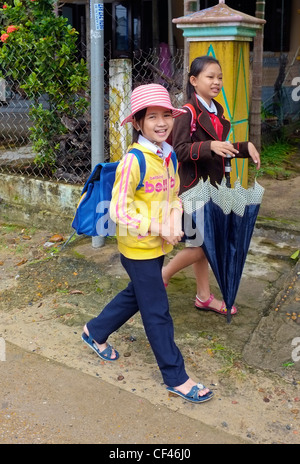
38, 203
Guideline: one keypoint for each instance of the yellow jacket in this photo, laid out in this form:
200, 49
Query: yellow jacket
132, 210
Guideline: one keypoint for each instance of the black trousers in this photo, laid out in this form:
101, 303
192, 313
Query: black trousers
145, 293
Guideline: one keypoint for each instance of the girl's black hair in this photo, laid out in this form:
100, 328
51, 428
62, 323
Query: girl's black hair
197, 66
138, 116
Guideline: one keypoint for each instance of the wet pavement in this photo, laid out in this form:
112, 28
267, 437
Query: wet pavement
55, 404
252, 365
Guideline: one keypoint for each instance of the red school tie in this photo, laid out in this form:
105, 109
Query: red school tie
167, 159
217, 125
218, 128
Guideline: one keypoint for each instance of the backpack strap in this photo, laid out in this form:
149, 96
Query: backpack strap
174, 160
194, 116
142, 162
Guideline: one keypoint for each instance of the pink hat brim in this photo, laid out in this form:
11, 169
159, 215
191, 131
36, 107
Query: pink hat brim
147, 95
175, 113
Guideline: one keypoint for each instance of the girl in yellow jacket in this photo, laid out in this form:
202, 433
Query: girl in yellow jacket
148, 225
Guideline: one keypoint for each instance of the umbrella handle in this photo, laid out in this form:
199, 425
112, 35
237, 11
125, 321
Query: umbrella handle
227, 168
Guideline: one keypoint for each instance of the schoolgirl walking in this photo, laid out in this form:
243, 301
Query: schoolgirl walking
148, 226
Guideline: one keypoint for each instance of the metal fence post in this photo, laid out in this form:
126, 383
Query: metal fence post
97, 89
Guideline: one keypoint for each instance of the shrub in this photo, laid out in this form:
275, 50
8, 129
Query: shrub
39, 56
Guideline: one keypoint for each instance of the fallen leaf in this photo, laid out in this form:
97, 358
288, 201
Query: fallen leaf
295, 255
76, 292
23, 261
56, 238
210, 352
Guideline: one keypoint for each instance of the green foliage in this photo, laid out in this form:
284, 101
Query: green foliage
275, 159
38, 55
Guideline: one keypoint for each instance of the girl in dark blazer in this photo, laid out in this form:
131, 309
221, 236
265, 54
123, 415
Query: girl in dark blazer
201, 148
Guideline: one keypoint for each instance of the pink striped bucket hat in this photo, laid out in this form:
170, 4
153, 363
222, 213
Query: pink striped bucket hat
150, 95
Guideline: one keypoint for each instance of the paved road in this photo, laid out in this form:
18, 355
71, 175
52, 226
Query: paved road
35, 391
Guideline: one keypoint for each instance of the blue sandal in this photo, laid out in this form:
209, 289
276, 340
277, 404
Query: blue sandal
105, 354
192, 395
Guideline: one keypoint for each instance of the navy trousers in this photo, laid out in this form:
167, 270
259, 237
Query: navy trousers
145, 293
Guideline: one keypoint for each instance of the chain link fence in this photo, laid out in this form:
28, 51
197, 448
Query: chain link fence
70, 144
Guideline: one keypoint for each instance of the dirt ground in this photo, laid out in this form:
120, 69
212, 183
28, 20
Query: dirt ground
46, 296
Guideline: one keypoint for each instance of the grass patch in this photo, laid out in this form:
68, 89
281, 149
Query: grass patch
275, 160
231, 361
9, 228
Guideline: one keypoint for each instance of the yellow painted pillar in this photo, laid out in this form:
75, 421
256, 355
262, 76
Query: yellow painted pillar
120, 77
226, 34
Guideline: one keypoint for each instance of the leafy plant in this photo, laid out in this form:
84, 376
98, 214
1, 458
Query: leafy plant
266, 113
39, 58
274, 159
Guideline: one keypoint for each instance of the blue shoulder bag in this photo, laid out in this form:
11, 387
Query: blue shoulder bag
92, 214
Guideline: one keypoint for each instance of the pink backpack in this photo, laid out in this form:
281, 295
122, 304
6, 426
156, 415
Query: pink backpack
193, 121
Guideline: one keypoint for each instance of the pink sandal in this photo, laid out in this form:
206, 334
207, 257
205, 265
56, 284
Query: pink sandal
206, 306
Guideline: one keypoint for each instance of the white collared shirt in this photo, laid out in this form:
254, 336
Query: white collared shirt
211, 109
163, 151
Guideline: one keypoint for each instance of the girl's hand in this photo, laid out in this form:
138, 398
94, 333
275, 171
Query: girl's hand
167, 232
254, 154
170, 234
171, 230
223, 148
